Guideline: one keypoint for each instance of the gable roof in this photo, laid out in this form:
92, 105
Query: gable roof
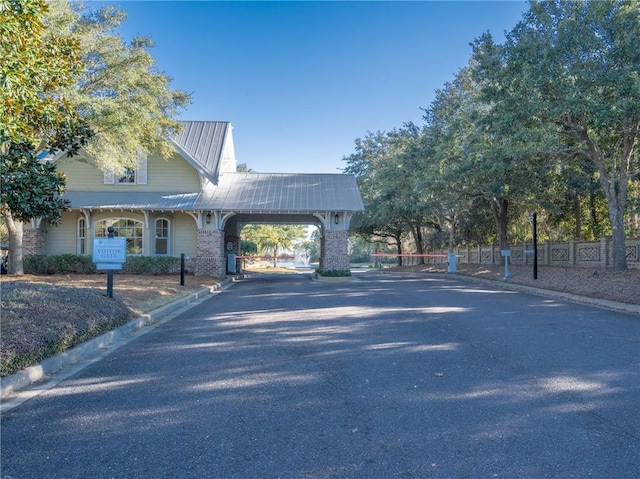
202, 144
240, 193
282, 192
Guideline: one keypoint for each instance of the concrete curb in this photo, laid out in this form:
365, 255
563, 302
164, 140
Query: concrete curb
37, 372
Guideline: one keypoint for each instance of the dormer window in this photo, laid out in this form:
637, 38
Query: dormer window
128, 177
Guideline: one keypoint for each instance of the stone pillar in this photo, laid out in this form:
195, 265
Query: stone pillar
34, 241
210, 260
335, 256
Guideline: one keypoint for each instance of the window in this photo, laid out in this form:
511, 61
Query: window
128, 176
162, 237
82, 236
123, 228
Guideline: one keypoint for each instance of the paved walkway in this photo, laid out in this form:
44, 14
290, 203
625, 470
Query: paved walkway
391, 376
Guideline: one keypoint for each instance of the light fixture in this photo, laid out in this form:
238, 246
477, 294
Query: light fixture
208, 218
336, 218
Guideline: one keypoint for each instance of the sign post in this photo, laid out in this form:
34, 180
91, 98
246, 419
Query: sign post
506, 253
109, 254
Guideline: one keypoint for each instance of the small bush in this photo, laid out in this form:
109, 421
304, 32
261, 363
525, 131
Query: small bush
334, 273
151, 265
58, 264
83, 264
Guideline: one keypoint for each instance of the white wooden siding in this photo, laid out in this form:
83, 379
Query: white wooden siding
174, 174
61, 239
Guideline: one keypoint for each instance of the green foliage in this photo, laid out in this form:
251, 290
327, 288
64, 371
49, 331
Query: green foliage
334, 273
248, 247
119, 91
58, 264
30, 188
273, 238
151, 265
549, 121
83, 264
36, 63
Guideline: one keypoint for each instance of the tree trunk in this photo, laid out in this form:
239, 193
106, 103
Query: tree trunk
275, 256
398, 239
577, 214
499, 207
15, 265
452, 232
616, 214
615, 184
417, 236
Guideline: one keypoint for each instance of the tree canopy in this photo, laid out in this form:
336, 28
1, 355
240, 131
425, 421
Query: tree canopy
36, 119
547, 121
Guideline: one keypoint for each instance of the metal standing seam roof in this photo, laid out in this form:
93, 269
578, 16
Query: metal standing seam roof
240, 193
202, 144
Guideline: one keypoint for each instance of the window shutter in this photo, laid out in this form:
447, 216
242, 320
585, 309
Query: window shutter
109, 178
141, 173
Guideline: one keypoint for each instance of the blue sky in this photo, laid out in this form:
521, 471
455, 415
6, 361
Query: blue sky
300, 81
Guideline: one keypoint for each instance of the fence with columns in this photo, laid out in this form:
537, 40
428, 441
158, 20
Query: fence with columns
582, 254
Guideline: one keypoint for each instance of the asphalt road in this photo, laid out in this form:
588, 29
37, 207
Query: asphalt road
391, 376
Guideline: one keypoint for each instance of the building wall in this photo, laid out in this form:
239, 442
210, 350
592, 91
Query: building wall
174, 174
62, 238
185, 235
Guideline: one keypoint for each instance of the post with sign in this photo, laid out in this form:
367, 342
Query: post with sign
506, 253
109, 254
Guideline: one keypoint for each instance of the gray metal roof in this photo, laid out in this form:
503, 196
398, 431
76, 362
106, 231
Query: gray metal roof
240, 193
282, 192
202, 144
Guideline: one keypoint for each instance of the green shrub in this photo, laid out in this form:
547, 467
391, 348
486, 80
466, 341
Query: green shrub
58, 264
83, 264
151, 265
334, 273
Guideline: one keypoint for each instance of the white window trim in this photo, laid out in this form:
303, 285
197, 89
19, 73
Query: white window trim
168, 237
118, 218
140, 174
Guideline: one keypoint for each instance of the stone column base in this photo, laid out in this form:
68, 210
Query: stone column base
209, 266
335, 256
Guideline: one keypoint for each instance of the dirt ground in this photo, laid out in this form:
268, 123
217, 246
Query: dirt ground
594, 283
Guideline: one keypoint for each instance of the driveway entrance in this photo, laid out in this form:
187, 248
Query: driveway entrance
387, 376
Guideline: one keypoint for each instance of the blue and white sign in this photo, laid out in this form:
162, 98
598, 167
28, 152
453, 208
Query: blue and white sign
109, 250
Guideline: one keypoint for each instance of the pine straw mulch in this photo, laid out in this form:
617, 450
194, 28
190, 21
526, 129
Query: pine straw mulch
590, 282
45, 315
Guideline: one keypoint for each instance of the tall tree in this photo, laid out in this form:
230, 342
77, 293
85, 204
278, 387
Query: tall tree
120, 93
574, 65
370, 164
35, 119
